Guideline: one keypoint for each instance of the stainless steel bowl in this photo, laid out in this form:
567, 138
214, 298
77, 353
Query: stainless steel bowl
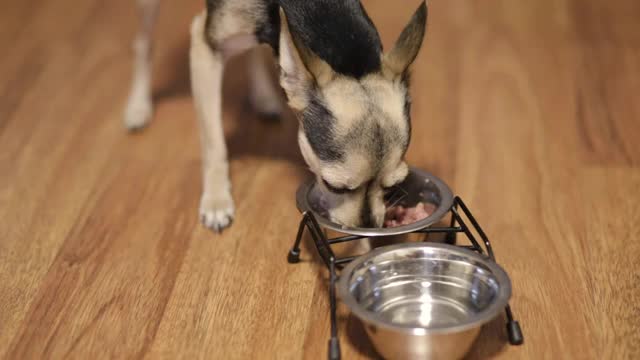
418, 186
424, 300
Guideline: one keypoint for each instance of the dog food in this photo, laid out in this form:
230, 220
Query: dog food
400, 215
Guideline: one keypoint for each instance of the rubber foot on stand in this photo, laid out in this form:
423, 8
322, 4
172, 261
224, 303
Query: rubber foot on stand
293, 257
515, 333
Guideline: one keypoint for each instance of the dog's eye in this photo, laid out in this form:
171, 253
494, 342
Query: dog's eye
390, 189
334, 189
393, 188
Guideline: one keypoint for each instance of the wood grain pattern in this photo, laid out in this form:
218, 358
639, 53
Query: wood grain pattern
527, 109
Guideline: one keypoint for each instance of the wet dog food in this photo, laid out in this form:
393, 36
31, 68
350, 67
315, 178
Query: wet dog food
400, 215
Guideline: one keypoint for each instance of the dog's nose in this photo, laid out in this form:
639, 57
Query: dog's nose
367, 221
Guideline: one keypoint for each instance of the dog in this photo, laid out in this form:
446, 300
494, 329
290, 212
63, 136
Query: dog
351, 99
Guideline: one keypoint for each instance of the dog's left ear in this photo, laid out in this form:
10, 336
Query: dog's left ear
300, 68
404, 52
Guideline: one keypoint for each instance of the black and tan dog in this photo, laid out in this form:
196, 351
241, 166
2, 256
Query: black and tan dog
351, 99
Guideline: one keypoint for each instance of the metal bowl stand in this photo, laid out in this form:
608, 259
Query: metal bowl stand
457, 225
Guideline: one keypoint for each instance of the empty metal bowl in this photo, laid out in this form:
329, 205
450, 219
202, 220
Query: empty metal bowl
423, 300
419, 186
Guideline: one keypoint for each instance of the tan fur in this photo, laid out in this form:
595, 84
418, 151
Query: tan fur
321, 71
388, 97
347, 211
352, 173
232, 18
216, 205
393, 172
346, 108
315, 165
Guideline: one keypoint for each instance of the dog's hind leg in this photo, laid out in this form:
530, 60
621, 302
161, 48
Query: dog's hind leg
139, 106
263, 93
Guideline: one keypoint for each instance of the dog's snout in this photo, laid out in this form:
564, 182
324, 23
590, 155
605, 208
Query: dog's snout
370, 220
365, 208
377, 219
373, 209
376, 222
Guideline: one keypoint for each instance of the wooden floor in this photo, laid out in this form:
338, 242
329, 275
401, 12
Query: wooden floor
528, 109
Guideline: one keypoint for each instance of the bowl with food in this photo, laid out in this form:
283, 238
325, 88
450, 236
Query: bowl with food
420, 201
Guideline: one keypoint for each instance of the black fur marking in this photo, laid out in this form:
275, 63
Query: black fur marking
378, 142
317, 123
212, 6
407, 108
268, 31
406, 80
365, 212
407, 115
336, 190
339, 31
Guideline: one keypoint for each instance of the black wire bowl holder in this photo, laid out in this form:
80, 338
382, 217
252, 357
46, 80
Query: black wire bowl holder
457, 225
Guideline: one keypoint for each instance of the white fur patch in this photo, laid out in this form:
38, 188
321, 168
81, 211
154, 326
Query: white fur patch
348, 209
392, 174
347, 101
389, 98
354, 172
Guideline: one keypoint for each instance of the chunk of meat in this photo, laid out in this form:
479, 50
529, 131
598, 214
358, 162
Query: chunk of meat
400, 215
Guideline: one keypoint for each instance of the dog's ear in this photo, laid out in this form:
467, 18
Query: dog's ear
299, 67
404, 52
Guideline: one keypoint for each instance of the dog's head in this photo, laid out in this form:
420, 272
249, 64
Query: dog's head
354, 131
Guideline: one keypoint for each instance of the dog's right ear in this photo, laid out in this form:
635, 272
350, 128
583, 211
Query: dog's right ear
404, 52
300, 68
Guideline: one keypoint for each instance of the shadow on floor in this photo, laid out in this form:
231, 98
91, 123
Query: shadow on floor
248, 133
359, 339
178, 81
491, 340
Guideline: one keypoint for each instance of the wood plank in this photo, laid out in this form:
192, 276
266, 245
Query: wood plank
527, 110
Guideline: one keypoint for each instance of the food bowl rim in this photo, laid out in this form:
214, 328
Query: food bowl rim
446, 202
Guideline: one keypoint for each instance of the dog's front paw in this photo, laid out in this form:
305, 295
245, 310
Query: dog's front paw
216, 210
138, 112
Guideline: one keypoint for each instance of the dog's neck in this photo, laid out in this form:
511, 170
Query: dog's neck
338, 31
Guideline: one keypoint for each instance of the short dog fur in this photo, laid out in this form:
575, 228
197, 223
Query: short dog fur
351, 99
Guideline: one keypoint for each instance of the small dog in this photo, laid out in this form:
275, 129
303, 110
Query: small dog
351, 100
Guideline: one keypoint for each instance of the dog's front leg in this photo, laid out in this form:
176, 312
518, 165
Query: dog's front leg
207, 66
